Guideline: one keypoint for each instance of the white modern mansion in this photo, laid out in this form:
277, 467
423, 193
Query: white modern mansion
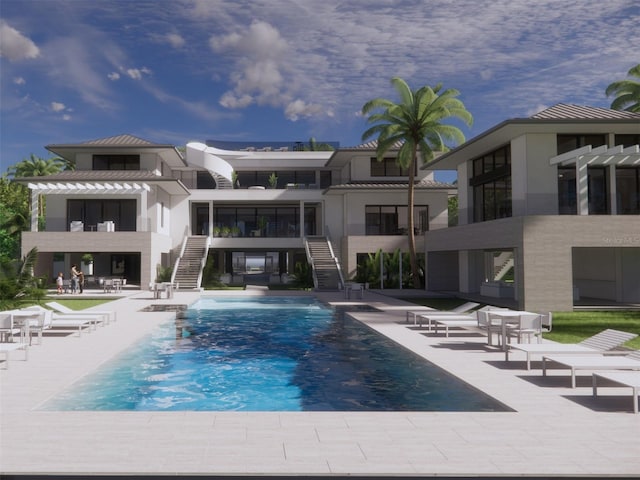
550, 203
257, 209
549, 210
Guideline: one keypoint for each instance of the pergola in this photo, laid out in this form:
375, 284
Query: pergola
82, 188
585, 157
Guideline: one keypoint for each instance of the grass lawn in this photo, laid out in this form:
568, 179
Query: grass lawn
571, 327
568, 327
78, 303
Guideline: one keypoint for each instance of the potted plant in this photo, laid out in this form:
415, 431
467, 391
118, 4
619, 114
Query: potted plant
217, 231
225, 231
273, 180
87, 263
235, 231
234, 179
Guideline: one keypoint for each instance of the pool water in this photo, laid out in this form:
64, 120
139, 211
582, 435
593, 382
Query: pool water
269, 354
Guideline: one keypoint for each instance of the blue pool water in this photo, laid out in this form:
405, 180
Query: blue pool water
269, 354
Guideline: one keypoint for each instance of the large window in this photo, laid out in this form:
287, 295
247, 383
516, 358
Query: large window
92, 212
388, 167
567, 198
598, 197
566, 143
392, 219
491, 184
276, 221
116, 162
627, 139
628, 190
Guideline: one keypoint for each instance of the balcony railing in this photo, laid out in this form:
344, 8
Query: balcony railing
60, 224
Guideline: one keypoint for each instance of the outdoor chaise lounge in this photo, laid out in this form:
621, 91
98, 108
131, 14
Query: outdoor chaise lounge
593, 362
108, 315
420, 315
470, 321
7, 347
596, 344
625, 378
63, 322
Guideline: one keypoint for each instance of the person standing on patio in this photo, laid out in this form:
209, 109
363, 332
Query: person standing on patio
74, 278
60, 282
81, 281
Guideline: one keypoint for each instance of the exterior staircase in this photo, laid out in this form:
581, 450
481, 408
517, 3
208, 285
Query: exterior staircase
327, 274
188, 270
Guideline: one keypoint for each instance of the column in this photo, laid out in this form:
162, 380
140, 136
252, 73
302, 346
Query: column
35, 202
613, 192
582, 186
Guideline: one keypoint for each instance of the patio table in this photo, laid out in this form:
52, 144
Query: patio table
504, 317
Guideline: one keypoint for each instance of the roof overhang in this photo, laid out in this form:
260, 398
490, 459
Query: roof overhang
506, 131
603, 155
169, 153
84, 188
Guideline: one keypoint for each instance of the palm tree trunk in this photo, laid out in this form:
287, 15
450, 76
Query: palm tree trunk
410, 223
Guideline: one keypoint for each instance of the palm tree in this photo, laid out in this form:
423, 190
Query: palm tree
627, 92
314, 146
38, 167
416, 125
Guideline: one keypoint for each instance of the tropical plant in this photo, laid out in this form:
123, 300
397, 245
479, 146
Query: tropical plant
273, 180
314, 146
163, 274
627, 92
452, 208
14, 216
303, 275
415, 126
17, 280
35, 166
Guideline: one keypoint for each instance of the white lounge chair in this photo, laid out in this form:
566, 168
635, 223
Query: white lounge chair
60, 321
8, 330
108, 315
593, 362
420, 315
5, 348
596, 344
470, 321
625, 378
529, 325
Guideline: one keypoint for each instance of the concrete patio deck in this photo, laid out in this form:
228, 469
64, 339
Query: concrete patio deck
554, 430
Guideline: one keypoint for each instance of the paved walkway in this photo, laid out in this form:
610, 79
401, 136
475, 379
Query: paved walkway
553, 429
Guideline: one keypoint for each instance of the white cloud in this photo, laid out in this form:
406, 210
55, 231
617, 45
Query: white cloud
298, 108
66, 117
175, 40
57, 106
137, 73
19, 81
231, 100
259, 54
14, 45
113, 76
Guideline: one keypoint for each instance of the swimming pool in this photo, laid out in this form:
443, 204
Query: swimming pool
269, 354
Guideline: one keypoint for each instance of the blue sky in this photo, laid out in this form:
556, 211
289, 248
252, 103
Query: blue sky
183, 70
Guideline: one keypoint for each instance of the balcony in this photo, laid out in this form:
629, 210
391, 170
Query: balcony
61, 224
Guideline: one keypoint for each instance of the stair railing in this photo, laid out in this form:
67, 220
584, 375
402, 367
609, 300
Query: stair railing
203, 262
335, 259
177, 262
310, 260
